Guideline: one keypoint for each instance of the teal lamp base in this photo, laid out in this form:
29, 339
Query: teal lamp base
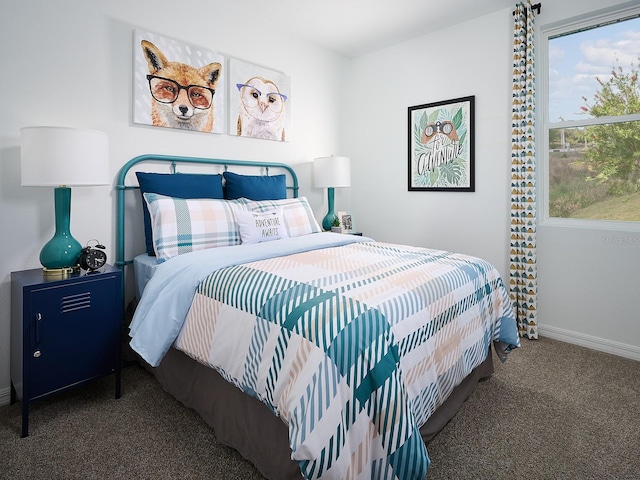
62, 251
327, 221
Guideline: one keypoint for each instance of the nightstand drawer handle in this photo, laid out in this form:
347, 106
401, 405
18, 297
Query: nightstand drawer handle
37, 354
38, 320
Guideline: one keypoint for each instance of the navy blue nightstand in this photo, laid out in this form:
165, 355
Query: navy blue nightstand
65, 331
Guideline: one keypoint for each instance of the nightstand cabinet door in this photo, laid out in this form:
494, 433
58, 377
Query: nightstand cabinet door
65, 331
72, 334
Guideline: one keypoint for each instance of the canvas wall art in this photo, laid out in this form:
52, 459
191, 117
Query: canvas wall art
177, 85
259, 102
441, 146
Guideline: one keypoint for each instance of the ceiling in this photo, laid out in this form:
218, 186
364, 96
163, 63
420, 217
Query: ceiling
356, 27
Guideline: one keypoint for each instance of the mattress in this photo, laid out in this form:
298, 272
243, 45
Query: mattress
144, 267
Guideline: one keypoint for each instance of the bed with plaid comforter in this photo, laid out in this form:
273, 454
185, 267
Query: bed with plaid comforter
354, 345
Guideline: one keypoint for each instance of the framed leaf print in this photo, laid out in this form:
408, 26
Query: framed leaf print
441, 146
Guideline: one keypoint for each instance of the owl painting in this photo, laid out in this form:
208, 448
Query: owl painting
261, 109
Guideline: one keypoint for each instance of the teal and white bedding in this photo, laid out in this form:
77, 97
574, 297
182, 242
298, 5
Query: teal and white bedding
353, 343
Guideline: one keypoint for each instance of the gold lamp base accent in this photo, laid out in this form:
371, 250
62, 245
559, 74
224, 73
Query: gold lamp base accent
60, 272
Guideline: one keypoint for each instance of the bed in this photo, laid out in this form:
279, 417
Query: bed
314, 354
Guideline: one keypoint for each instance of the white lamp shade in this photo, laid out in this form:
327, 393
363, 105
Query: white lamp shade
332, 172
55, 156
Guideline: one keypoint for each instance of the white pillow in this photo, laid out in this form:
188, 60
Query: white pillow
256, 227
298, 216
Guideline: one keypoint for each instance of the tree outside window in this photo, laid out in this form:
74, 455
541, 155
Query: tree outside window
593, 125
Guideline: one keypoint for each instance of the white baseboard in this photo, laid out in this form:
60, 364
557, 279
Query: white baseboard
5, 396
588, 341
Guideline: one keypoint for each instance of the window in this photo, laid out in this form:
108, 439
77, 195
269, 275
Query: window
591, 125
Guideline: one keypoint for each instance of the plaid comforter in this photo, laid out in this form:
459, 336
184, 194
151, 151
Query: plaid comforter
353, 346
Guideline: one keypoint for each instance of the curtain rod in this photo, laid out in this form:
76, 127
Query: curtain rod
536, 7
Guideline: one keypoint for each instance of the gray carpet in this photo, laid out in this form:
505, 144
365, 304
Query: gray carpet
552, 411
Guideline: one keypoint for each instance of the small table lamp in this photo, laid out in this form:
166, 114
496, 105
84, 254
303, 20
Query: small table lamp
329, 173
63, 157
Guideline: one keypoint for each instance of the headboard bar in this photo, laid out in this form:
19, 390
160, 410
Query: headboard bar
120, 187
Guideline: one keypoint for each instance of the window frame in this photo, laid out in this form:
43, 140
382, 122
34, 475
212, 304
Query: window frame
545, 34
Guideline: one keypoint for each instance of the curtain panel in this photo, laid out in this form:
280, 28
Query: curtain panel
522, 259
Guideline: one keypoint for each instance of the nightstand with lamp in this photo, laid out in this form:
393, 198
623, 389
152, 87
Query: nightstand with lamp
65, 323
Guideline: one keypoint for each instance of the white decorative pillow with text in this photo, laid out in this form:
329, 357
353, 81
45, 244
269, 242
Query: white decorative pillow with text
298, 216
256, 227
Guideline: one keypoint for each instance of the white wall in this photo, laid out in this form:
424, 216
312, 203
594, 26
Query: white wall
456, 62
69, 63
588, 280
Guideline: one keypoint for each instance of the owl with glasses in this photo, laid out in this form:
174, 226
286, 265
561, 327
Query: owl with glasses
261, 110
182, 95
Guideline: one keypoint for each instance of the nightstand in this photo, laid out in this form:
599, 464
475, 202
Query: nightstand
65, 331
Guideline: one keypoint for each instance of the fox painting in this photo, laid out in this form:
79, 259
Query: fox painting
182, 95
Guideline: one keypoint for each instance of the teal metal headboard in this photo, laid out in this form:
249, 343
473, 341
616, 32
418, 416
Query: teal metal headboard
121, 260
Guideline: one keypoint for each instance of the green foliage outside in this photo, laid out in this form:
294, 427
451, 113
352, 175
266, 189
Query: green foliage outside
597, 169
614, 151
572, 196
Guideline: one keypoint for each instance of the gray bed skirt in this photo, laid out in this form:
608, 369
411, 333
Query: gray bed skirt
247, 425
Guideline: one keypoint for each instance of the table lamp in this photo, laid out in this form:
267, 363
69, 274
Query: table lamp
63, 157
331, 172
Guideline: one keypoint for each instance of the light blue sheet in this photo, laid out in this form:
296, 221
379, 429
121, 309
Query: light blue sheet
167, 297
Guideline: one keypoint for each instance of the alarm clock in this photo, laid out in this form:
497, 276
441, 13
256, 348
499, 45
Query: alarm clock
92, 257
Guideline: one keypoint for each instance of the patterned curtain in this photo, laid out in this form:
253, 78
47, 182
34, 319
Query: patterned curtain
523, 283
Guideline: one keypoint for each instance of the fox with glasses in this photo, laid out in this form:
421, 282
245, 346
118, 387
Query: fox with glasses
182, 95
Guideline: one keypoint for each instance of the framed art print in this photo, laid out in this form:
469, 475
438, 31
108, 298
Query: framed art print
177, 85
260, 102
441, 146
346, 221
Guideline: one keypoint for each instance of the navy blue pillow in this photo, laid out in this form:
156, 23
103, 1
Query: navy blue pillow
255, 187
180, 185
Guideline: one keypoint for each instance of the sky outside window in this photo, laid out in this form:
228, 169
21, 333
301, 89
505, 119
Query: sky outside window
575, 60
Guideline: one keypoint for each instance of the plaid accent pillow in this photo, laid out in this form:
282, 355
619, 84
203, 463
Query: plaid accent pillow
298, 216
186, 225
